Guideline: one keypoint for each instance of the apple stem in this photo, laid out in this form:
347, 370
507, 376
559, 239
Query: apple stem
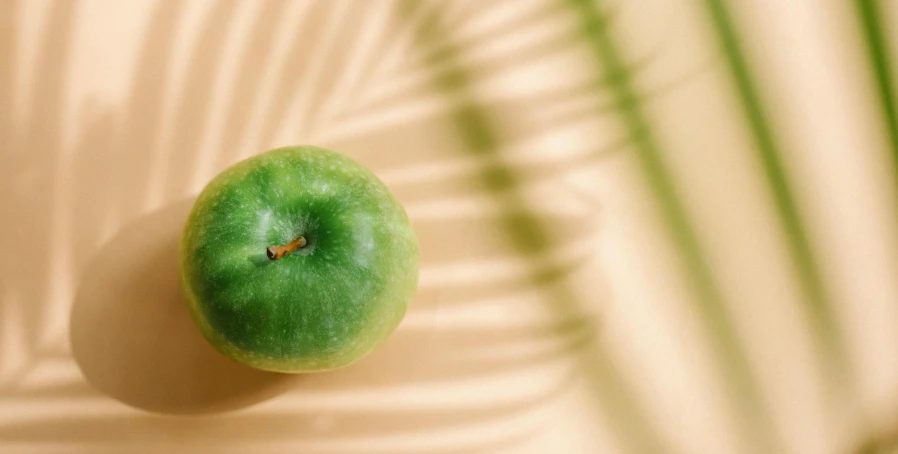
278, 252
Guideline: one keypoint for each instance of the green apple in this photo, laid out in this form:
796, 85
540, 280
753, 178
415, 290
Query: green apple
297, 260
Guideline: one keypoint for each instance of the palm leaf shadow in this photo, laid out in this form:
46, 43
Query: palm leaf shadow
345, 38
254, 59
287, 84
477, 132
8, 37
105, 187
405, 82
191, 117
34, 158
279, 427
140, 135
144, 120
139, 142
730, 352
8, 54
818, 302
873, 25
528, 170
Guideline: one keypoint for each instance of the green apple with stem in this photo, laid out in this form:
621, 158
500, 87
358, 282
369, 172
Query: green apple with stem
297, 260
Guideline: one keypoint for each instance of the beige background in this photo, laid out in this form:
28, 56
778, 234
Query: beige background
547, 279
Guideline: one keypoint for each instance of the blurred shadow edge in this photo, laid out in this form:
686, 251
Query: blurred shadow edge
133, 338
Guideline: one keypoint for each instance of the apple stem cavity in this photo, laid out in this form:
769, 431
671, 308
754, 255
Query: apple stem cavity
278, 252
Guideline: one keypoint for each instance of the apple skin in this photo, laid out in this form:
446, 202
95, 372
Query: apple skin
326, 304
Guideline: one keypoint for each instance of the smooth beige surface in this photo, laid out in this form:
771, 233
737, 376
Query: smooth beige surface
538, 291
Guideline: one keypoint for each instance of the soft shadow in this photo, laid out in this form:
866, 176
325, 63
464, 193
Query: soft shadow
133, 337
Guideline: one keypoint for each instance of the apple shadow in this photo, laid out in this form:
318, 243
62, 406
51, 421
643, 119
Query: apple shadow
134, 340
